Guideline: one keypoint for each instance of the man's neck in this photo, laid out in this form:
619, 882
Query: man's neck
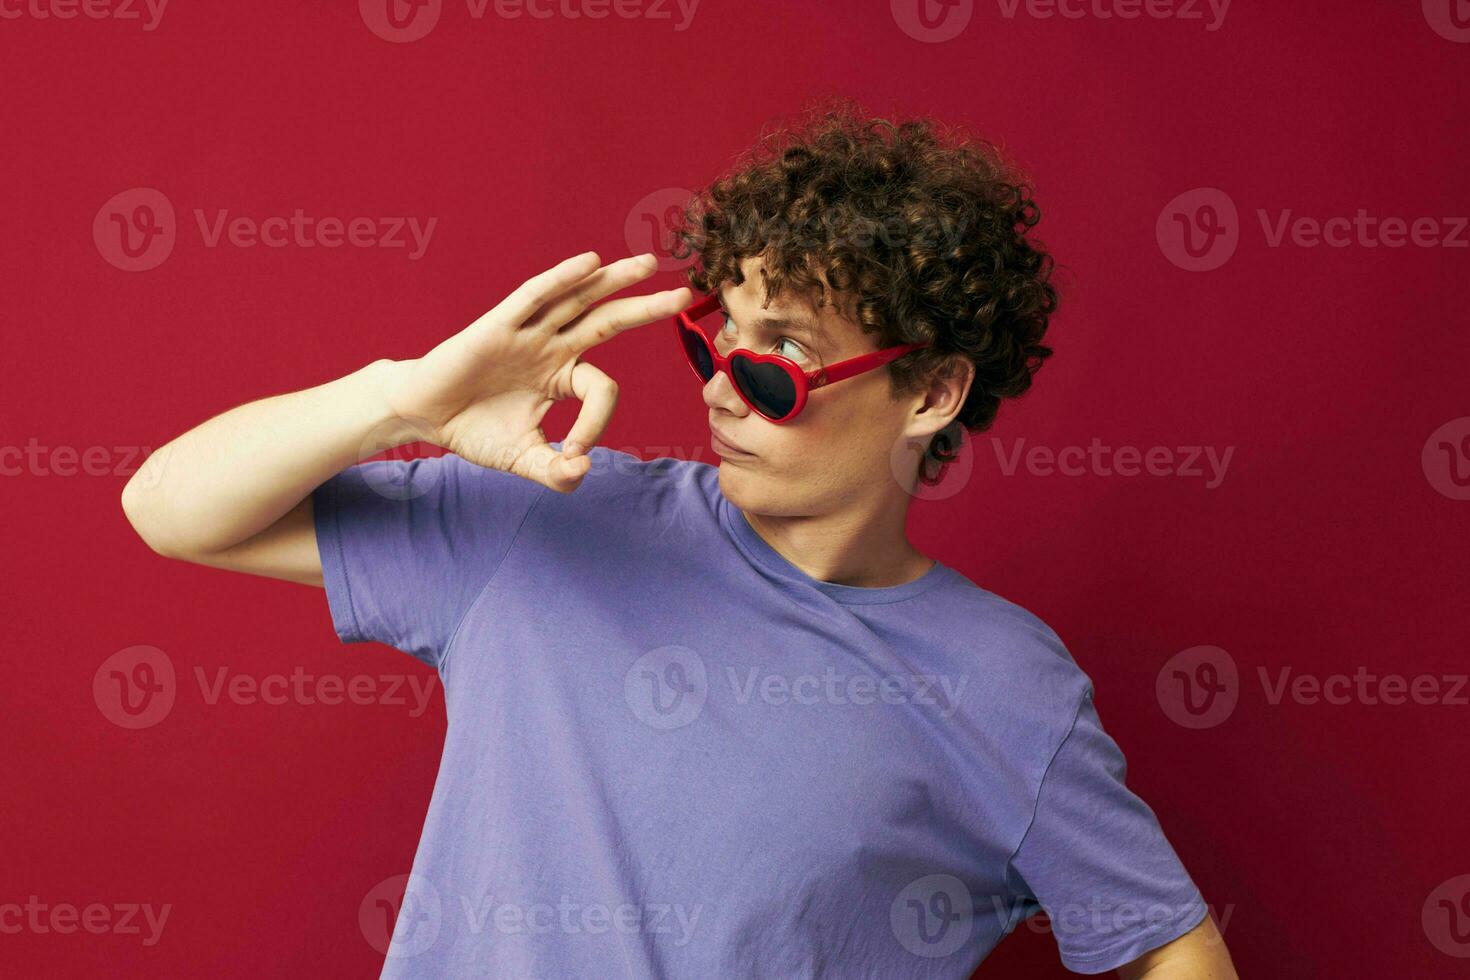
864, 546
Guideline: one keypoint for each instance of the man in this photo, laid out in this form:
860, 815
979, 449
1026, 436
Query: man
717, 721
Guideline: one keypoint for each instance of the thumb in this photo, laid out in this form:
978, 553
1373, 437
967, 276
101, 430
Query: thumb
598, 394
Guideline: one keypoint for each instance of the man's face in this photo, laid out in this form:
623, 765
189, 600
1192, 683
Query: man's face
838, 445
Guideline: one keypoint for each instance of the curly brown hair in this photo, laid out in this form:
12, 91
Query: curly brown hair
919, 228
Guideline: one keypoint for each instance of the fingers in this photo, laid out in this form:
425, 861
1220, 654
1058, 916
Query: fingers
599, 396
603, 322
540, 289
603, 282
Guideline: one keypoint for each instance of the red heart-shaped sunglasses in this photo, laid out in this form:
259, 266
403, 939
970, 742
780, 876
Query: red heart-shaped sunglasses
774, 386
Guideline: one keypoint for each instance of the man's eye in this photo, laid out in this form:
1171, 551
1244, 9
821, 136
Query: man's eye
798, 353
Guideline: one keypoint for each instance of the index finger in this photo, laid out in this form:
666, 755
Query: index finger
535, 292
606, 320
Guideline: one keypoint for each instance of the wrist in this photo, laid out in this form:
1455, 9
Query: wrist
389, 429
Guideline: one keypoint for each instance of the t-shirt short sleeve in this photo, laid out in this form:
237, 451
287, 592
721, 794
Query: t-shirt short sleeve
1097, 860
407, 546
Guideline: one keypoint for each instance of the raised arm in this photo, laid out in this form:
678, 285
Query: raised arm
235, 491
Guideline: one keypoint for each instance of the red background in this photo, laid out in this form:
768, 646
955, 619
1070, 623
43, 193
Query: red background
1316, 831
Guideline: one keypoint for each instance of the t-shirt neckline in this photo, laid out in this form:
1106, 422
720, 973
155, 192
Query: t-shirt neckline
757, 550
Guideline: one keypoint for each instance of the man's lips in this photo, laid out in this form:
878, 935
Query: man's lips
723, 440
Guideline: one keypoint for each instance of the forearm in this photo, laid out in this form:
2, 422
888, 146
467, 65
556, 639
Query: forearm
236, 474
1216, 966
1199, 954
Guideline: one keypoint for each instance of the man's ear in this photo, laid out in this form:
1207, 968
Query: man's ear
940, 401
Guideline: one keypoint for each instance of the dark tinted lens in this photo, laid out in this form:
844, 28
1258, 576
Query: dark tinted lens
697, 352
769, 388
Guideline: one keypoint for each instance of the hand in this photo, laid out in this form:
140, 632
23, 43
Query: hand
482, 393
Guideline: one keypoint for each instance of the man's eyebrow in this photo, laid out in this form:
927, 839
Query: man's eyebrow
771, 324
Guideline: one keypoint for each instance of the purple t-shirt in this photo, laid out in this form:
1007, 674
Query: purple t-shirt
672, 753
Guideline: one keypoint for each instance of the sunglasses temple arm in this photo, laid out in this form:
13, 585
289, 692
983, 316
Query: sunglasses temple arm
854, 366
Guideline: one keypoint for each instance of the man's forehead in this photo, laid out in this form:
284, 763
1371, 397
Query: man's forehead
817, 314
786, 310
788, 303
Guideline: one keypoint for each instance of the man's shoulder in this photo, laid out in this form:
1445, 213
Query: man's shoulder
1024, 660
1000, 621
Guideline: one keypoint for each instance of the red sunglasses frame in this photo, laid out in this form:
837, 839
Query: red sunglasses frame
803, 381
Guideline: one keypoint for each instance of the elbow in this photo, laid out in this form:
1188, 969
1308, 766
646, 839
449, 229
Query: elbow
135, 506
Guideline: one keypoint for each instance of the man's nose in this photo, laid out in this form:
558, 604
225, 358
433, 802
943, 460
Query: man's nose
720, 393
